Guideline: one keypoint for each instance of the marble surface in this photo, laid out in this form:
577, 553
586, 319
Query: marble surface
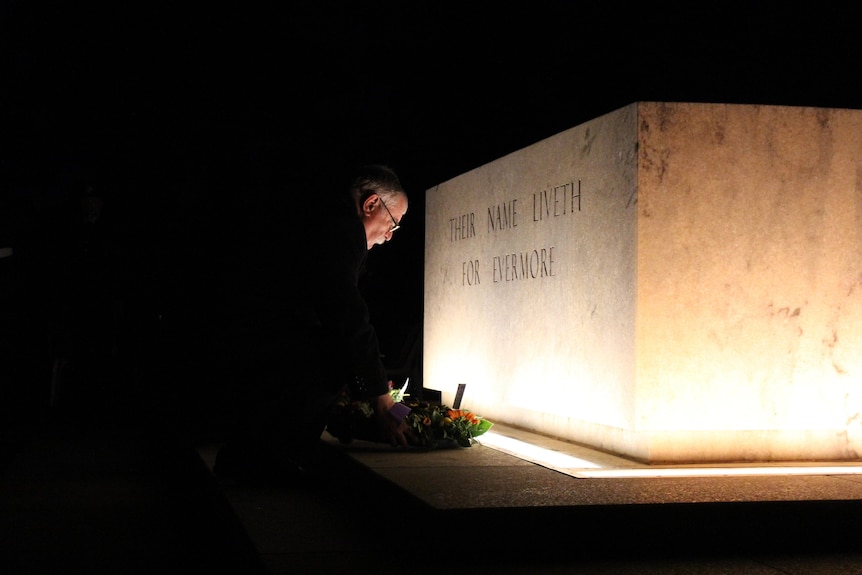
671, 282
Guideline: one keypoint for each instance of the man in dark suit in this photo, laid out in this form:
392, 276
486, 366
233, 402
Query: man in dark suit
296, 329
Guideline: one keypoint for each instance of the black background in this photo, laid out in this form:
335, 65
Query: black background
177, 114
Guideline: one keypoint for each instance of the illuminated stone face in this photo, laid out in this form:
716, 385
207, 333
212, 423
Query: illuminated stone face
672, 282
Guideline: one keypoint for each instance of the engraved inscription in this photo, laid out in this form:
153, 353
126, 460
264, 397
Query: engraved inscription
557, 201
531, 263
462, 227
470, 273
503, 216
527, 265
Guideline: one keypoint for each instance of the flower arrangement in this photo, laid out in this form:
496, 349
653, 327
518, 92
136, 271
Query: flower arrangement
434, 425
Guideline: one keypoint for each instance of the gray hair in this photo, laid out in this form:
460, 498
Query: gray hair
376, 179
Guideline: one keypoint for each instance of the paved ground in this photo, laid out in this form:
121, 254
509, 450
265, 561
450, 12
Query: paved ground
472, 509
94, 499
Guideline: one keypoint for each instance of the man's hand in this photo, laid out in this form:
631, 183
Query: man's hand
395, 432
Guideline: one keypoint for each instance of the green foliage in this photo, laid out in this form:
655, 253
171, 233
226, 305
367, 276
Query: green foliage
435, 425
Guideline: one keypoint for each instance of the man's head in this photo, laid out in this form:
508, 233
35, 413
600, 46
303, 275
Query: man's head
380, 201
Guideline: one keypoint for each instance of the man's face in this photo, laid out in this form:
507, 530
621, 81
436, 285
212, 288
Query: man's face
382, 218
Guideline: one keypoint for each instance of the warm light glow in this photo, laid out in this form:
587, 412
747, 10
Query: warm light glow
721, 471
582, 469
534, 453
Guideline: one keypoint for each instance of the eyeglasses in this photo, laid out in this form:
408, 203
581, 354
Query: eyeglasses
395, 224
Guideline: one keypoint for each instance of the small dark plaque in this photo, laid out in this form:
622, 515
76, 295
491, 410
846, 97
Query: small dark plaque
459, 395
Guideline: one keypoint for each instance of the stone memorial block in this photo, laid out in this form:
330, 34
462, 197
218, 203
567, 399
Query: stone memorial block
672, 282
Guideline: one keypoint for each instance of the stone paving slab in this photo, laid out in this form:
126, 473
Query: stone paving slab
484, 477
481, 507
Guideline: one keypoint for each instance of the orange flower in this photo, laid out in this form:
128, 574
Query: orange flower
457, 413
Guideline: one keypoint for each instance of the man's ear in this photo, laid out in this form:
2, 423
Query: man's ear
370, 204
